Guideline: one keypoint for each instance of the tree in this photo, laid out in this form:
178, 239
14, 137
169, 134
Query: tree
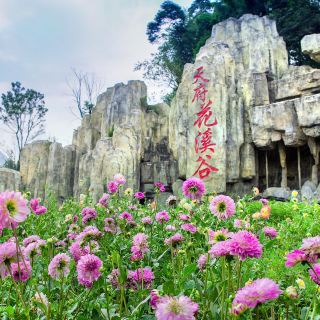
84, 88
23, 112
181, 33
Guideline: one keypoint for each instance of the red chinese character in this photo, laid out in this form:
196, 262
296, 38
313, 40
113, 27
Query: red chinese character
199, 76
205, 141
204, 115
200, 93
204, 168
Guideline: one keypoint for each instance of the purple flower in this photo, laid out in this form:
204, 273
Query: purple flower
139, 195
146, 220
88, 269
189, 227
154, 299
311, 246
112, 187
294, 257
176, 308
77, 251
126, 216
184, 217
259, 291
270, 232
104, 200
119, 179
88, 214
315, 273
30, 239
202, 261
220, 249
162, 216
159, 187
193, 188
59, 266
174, 240
223, 207
21, 271
8, 254
143, 276
245, 245
219, 235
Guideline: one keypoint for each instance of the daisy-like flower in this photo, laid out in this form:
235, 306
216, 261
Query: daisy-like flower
245, 245
110, 226
33, 249
113, 278
189, 227
59, 266
176, 308
21, 272
162, 216
89, 233
170, 228
119, 179
36, 207
219, 235
171, 200
139, 195
88, 269
112, 187
13, 209
193, 188
77, 251
270, 232
88, 214
259, 291
184, 217
238, 223
140, 244
223, 207
104, 200
265, 212
159, 187
315, 273
128, 192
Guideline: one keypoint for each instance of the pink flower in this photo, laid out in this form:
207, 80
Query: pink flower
104, 200
174, 240
143, 276
170, 228
311, 246
88, 214
238, 309
315, 273
8, 255
184, 217
220, 249
159, 187
270, 232
154, 299
21, 272
202, 261
146, 220
30, 239
139, 195
219, 235
36, 208
223, 207
126, 216
193, 188
77, 251
189, 227
237, 223
110, 226
113, 278
140, 246
13, 209
59, 266
265, 202
245, 245
112, 187
294, 257
162, 216
176, 308
88, 269
259, 291
119, 179
33, 249
89, 233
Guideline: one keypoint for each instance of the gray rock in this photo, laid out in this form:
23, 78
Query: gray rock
307, 193
177, 188
9, 180
282, 194
309, 184
310, 44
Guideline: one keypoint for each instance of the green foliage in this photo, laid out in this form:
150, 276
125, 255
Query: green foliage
23, 111
180, 33
111, 131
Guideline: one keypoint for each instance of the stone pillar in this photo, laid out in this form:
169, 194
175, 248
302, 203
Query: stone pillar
283, 163
267, 171
299, 167
314, 149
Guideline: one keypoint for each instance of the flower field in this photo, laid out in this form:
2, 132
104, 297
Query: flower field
199, 257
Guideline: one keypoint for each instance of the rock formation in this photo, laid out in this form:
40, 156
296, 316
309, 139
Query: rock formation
9, 179
265, 124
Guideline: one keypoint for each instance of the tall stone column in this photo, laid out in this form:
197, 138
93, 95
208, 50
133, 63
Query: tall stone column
283, 163
314, 149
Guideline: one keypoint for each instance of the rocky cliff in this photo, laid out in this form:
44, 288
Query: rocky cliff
240, 110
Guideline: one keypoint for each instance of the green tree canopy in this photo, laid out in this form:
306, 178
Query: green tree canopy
180, 33
23, 112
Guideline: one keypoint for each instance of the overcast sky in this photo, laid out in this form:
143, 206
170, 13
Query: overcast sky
40, 40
